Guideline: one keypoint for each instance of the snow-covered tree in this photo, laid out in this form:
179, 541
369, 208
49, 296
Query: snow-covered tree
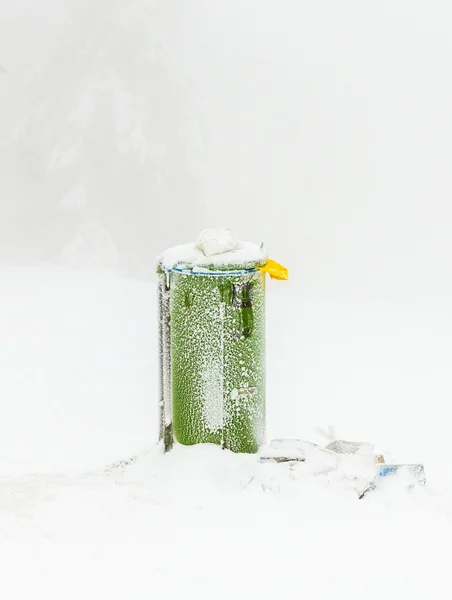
99, 151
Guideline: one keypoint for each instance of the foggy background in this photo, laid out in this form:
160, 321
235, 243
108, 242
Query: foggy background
320, 128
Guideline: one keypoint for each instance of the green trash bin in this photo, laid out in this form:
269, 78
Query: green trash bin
212, 348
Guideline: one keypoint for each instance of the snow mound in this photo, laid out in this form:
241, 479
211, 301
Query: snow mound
216, 241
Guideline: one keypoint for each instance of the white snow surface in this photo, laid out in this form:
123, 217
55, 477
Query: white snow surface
91, 509
189, 255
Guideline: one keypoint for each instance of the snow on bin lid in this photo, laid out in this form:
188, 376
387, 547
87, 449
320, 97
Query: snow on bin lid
215, 249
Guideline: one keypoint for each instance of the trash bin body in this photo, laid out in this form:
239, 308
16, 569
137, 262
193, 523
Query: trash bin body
213, 329
218, 359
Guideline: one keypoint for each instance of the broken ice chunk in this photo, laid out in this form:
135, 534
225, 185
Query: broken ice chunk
344, 447
316, 460
414, 472
280, 451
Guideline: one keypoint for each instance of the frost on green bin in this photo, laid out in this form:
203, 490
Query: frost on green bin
212, 343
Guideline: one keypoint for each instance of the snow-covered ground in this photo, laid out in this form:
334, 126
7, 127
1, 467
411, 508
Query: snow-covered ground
76, 369
78, 389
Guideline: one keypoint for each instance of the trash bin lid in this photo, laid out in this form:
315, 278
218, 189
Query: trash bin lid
191, 257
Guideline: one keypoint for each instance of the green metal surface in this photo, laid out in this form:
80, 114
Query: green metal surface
218, 359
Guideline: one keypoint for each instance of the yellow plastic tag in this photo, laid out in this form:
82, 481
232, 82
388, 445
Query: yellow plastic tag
275, 270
